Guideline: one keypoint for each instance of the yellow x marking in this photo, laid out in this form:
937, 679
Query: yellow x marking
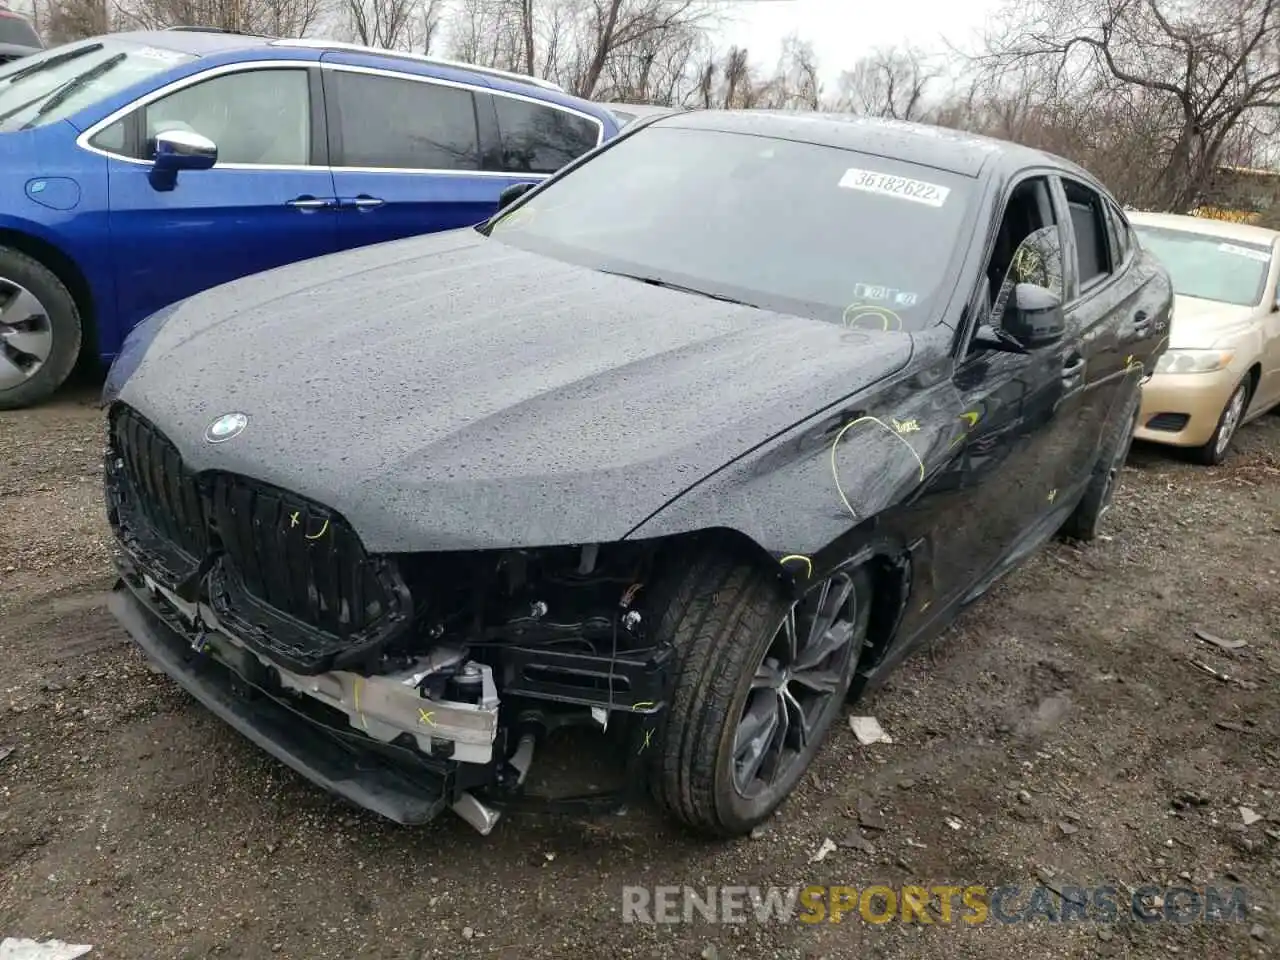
424, 716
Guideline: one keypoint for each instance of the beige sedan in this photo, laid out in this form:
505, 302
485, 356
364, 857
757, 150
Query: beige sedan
1222, 365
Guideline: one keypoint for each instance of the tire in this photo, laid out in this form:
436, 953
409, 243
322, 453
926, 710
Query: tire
1219, 445
724, 616
1085, 521
39, 348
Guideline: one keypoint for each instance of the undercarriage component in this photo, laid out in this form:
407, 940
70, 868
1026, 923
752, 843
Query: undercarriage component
481, 817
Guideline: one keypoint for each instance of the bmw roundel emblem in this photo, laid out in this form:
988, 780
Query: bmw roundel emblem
225, 427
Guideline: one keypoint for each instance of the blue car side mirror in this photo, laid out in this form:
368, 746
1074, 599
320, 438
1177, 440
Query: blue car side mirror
180, 150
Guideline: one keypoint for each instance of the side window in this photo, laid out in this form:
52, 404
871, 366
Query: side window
404, 124
539, 138
1122, 236
1089, 224
111, 139
258, 116
1027, 247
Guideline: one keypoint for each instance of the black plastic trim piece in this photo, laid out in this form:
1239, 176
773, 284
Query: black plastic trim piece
358, 775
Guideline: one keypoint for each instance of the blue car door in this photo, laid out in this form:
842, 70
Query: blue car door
414, 154
267, 201
406, 156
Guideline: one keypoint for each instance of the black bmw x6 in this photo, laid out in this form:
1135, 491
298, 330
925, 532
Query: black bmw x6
691, 443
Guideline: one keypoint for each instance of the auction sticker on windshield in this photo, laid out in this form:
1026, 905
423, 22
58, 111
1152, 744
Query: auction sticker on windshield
904, 188
1253, 253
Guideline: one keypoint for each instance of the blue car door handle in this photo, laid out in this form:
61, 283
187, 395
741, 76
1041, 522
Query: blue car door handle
307, 202
362, 202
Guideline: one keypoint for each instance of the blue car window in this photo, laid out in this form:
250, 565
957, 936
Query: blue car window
257, 116
538, 138
405, 124
32, 95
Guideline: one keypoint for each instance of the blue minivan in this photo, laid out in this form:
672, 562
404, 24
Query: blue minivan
139, 168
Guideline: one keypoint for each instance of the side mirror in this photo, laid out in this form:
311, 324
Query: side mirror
513, 193
1034, 316
180, 150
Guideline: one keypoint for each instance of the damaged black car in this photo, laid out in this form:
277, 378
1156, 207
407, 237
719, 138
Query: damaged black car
690, 444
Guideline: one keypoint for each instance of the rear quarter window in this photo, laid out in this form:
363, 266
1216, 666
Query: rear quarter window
540, 138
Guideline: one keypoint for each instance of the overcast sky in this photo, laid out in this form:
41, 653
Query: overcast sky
843, 30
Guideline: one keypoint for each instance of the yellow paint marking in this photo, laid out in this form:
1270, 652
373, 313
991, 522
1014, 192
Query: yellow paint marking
648, 739
799, 556
426, 716
359, 711
320, 534
293, 519
970, 417
906, 426
1053, 495
856, 312
835, 470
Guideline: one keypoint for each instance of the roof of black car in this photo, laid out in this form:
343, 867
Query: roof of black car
939, 147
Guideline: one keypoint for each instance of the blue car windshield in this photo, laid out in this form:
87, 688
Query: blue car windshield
795, 227
52, 85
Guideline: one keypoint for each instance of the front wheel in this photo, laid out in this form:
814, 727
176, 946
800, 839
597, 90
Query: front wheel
759, 681
1215, 451
39, 331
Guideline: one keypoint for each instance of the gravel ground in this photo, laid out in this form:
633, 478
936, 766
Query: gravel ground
1067, 722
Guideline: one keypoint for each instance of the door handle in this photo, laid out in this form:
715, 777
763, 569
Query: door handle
362, 202
1141, 321
1072, 367
309, 203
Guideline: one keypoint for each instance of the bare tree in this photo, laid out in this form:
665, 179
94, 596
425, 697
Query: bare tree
889, 82
588, 46
280, 18
393, 24
1195, 72
795, 84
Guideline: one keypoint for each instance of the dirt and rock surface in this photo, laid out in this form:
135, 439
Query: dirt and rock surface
1068, 724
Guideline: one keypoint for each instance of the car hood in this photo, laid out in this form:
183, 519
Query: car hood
453, 392
1203, 323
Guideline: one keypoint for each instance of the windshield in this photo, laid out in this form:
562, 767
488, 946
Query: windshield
56, 83
794, 227
16, 29
1209, 268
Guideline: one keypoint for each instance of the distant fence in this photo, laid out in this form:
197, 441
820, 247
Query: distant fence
1242, 195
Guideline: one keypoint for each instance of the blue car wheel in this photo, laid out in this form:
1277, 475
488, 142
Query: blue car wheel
39, 331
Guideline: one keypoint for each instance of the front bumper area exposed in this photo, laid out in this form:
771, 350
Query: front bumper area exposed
392, 780
1182, 410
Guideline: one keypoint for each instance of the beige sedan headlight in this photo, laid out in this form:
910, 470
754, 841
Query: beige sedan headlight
1193, 361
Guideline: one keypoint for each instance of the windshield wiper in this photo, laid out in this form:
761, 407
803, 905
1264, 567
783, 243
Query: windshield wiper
669, 285
78, 82
53, 61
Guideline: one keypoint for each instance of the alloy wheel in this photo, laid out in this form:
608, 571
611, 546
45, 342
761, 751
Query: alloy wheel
26, 334
802, 671
1230, 420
